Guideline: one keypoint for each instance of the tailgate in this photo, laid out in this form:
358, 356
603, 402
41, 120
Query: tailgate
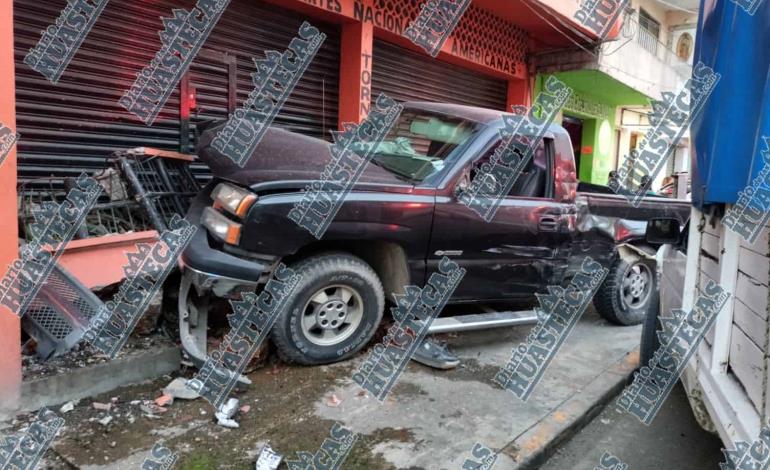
613, 205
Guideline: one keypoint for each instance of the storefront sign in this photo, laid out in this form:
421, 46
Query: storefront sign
435, 23
366, 84
483, 56
331, 5
586, 105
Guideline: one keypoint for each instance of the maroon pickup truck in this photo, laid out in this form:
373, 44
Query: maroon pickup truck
402, 217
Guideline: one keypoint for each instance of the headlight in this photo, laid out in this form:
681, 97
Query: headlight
221, 227
233, 199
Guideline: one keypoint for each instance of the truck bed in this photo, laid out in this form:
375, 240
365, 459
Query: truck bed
602, 201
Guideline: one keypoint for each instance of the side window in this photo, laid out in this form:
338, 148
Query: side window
533, 181
533, 178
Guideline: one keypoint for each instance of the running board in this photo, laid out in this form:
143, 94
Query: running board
482, 321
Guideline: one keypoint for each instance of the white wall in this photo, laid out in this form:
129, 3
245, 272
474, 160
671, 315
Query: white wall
651, 74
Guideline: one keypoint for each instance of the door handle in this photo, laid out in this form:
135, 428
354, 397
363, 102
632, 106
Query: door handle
548, 224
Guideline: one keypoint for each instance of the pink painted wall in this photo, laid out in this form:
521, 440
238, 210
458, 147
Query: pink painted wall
10, 331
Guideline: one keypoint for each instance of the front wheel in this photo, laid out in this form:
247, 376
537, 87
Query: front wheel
334, 310
625, 295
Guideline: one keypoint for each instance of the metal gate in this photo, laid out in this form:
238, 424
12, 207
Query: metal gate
73, 126
405, 75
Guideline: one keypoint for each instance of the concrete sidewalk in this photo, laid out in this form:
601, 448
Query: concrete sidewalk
431, 419
445, 413
672, 440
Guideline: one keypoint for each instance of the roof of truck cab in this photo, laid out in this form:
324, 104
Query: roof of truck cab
469, 113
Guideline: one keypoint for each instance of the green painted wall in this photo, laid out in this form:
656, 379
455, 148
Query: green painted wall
597, 97
599, 136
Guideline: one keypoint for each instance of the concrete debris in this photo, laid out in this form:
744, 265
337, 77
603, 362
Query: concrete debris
164, 400
230, 408
102, 406
226, 412
332, 401
105, 421
67, 407
178, 389
268, 459
150, 408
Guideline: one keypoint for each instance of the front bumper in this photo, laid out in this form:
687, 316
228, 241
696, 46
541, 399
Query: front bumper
211, 269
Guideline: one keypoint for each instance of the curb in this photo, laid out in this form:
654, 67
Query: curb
99, 378
530, 449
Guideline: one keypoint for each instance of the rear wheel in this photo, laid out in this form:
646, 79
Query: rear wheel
334, 310
625, 295
650, 328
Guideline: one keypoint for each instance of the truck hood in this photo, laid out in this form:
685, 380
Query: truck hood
280, 156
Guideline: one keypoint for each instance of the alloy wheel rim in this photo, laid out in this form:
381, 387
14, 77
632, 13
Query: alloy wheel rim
636, 286
332, 315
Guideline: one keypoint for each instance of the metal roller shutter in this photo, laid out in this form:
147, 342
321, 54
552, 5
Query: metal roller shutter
246, 30
71, 127
405, 75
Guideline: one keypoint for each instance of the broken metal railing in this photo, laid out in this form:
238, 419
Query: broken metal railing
143, 189
160, 181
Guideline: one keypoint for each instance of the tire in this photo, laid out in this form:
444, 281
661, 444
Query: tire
325, 281
170, 312
624, 296
650, 342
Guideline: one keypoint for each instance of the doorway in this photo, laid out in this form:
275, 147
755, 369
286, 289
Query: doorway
574, 128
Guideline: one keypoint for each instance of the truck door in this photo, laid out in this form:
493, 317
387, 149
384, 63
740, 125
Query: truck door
526, 245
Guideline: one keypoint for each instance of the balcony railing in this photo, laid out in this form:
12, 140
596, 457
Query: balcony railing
648, 41
633, 30
651, 72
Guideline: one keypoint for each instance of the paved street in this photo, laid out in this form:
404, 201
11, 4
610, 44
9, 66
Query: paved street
430, 420
673, 441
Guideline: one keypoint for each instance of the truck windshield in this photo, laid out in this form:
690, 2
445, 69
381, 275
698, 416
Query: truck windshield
420, 142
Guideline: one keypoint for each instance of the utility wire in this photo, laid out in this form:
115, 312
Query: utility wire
581, 46
526, 3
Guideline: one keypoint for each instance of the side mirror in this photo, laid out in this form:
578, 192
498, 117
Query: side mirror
462, 185
663, 231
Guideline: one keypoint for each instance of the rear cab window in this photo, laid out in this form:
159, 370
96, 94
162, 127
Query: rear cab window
536, 179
